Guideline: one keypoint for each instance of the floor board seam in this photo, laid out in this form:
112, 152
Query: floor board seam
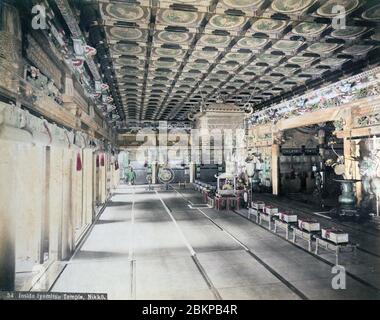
260, 261
192, 252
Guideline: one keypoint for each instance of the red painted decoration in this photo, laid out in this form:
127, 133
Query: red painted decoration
97, 161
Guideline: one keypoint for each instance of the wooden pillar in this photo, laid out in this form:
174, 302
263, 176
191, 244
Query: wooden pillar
348, 153
275, 168
351, 168
359, 191
275, 160
154, 173
192, 172
351, 150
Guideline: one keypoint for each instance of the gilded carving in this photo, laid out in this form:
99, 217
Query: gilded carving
41, 60
368, 120
339, 124
360, 86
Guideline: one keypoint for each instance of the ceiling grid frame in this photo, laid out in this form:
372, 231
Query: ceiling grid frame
165, 93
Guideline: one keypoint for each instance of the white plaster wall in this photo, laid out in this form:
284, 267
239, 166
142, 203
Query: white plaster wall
29, 167
34, 184
67, 216
55, 195
77, 194
87, 186
23, 194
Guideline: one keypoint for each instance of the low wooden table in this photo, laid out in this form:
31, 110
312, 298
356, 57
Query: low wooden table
266, 217
334, 247
267, 214
279, 224
304, 235
254, 212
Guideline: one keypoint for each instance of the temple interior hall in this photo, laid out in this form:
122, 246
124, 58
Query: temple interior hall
190, 149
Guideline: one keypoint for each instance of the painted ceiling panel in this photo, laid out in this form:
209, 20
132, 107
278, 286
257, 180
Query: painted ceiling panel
172, 56
128, 49
289, 7
226, 22
179, 18
269, 26
121, 11
372, 14
309, 29
171, 37
327, 10
116, 33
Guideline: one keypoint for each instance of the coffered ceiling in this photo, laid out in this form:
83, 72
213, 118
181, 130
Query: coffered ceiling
171, 57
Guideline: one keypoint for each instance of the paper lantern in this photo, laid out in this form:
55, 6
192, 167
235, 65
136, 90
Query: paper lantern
79, 162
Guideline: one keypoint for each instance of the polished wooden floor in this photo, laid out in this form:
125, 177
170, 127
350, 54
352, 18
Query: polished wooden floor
152, 245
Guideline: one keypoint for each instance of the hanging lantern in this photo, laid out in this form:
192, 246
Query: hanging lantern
102, 160
79, 162
97, 161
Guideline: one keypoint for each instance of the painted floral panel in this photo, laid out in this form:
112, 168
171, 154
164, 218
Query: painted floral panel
291, 6
372, 14
227, 22
309, 28
269, 25
327, 10
126, 12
